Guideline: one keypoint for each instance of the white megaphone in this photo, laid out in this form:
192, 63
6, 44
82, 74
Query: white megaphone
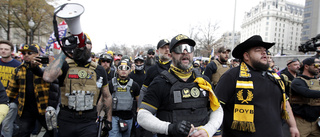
71, 12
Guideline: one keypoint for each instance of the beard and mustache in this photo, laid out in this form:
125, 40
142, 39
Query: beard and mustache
150, 61
181, 66
259, 65
81, 57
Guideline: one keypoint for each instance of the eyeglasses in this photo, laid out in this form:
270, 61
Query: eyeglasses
316, 65
151, 53
123, 67
180, 48
29, 53
108, 61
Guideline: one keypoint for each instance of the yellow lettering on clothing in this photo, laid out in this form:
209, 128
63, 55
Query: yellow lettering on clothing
243, 112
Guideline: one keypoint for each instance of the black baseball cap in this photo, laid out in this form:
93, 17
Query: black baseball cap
162, 43
150, 51
181, 38
32, 47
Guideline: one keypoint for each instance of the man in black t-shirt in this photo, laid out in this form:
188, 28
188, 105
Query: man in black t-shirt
180, 101
253, 96
123, 90
81, 87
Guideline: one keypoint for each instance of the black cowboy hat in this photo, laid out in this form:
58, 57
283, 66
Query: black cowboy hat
253, 41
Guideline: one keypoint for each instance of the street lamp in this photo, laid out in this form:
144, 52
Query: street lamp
31, 25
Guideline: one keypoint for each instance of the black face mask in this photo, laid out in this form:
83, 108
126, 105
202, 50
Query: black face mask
81, 56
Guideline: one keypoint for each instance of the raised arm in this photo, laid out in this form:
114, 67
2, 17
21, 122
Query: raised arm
53, 71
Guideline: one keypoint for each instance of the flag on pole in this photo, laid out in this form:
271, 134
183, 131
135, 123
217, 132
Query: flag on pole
106, 48
211, 54
52, 42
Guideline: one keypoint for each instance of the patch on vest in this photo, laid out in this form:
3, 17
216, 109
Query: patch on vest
186, 93
73, 76
82, 74
195, 92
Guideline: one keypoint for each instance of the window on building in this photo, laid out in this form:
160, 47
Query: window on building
266, 34
307, 15
267, 23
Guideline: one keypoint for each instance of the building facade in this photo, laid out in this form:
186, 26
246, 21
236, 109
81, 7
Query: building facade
277, 21
311, 20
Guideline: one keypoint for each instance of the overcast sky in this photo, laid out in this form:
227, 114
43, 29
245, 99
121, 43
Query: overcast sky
141, 22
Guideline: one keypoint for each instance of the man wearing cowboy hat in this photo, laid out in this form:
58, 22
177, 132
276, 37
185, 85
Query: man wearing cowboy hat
252, 96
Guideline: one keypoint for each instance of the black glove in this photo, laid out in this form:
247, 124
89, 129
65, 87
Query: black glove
107, 125
180, 129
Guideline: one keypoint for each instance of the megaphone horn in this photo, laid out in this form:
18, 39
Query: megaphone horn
71, 12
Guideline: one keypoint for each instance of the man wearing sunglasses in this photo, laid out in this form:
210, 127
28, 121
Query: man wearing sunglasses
81, 98
106, 62
217, 67
124, 90
305, 98
31, 89
180, 98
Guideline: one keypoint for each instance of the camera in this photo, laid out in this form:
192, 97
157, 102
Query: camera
44, 59
310, 45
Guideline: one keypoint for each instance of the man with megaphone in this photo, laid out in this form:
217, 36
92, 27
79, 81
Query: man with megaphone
81, 98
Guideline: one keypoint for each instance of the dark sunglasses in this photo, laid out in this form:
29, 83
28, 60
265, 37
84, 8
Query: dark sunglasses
29, 53
151, 53
180, 48
123, 67
316, 65
108, 61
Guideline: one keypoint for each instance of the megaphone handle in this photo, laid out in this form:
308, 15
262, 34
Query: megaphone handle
82, 40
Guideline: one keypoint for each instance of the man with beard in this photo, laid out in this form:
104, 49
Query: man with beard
181, 98
217, 67
79, 93
8, 65
253, 96
305, 98
289, 73
106, 62
150, 61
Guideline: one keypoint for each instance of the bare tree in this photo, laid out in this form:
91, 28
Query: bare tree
204, 35
17, 14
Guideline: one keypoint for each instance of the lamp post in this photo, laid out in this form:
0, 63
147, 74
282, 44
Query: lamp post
31, 25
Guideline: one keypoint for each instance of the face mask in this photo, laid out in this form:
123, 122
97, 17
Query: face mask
139, 67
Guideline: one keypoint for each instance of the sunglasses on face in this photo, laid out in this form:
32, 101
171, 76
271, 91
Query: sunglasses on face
123, 67
150, 53
108, 61
316, 65
180, 48
29, 53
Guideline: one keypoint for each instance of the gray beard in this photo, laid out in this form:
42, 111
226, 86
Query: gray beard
150, 61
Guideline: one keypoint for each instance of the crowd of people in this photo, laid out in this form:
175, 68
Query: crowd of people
159, 92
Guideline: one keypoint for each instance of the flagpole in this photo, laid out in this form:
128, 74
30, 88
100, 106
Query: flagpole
234, 22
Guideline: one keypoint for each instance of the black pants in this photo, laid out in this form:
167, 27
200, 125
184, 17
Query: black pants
28, 122
73, 124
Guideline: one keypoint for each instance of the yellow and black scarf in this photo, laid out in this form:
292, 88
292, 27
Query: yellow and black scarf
243, 114
181, 73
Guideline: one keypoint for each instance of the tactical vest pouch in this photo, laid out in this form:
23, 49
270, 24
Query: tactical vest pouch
313, 84
80, 101
123, 125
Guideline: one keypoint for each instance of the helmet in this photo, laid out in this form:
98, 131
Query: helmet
139, 57
104, 57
